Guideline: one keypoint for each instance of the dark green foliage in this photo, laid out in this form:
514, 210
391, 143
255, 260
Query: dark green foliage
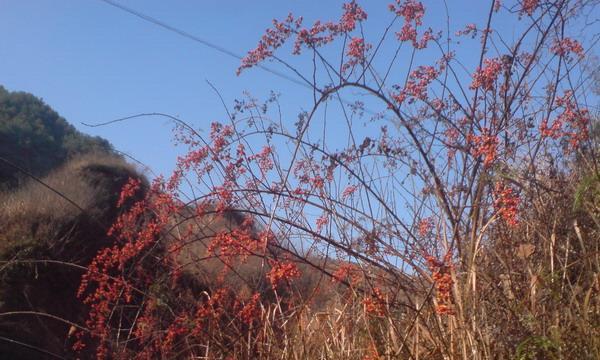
36, 138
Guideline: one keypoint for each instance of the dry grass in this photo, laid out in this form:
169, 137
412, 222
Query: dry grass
44, 241
85, 193
533, 292
35, 200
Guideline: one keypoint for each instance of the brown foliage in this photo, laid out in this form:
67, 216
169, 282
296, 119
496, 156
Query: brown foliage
45, 244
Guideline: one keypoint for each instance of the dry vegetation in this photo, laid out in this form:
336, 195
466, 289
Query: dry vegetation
45, 243
533, 296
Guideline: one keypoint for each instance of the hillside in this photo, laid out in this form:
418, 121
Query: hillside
37, 138
46, 241
49, 231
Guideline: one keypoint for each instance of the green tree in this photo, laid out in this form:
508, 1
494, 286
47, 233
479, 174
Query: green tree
36, 138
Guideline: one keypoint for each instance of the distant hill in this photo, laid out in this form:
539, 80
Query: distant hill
37, 138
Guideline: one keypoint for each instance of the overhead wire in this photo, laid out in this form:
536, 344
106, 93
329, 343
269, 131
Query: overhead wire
199, 40
217, 48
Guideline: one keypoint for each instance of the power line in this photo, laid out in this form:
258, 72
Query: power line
218, 48
199, 40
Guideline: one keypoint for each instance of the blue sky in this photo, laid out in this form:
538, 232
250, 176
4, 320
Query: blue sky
93, 63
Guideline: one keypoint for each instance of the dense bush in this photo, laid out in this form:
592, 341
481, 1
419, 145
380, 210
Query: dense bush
449, 212
436, 183
48, 239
